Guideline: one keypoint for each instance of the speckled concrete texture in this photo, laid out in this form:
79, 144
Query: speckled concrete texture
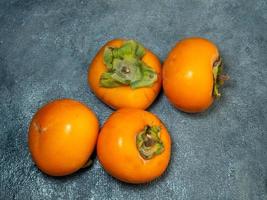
45, 48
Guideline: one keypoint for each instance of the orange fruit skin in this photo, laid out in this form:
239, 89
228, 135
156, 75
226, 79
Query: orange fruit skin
123, 96
117, 151
62, 136
187, 74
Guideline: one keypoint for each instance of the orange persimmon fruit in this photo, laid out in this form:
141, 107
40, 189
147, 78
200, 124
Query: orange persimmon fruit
125, 74
134, 146
192, 73
62, 136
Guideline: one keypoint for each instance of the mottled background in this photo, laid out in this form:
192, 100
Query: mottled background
45, 48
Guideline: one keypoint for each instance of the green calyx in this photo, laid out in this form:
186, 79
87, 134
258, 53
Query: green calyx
125, 67
148, 142
218, 77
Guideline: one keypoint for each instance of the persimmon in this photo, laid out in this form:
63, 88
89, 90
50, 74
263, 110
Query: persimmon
62, 136
134, 146
125, 74
192, 74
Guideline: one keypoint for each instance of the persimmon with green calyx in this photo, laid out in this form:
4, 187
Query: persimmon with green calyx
134, 146
125, 74
125, 67
192, 74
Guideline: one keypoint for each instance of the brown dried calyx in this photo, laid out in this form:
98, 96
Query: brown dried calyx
148, 142
218, 77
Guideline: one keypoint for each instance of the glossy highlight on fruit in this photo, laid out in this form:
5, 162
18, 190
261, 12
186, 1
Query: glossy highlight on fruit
62, 136
125, 74
134, 146
192, 74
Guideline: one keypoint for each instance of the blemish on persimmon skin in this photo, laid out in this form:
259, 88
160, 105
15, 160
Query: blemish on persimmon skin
38, 128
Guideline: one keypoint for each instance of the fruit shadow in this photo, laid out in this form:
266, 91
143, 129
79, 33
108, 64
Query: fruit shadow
156, 101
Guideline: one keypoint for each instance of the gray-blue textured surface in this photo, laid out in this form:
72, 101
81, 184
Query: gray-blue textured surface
45, 48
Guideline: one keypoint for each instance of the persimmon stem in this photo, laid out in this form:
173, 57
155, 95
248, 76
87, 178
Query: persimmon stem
148, 142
